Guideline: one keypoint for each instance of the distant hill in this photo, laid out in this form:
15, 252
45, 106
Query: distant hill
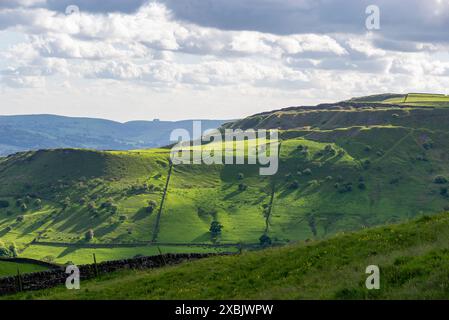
33, 132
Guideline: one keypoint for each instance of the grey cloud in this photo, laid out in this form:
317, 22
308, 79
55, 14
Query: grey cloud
413, 20
97, 6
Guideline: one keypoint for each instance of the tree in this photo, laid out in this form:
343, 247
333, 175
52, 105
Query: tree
13, 250
4, 252
215, 228
23, 207
294, 185
151, 206
265, 240
440, 180
38, 203
89, 235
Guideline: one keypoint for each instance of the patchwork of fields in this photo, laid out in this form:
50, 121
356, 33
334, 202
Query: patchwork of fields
342, 167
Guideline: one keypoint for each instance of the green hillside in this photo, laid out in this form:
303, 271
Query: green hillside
343, 167
412, 258
8, 268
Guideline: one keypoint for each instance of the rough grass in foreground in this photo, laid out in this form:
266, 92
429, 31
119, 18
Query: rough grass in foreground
412, 257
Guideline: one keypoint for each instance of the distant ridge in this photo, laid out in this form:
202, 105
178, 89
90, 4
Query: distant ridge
45, 131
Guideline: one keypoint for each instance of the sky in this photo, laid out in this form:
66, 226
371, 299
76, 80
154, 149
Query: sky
214, 59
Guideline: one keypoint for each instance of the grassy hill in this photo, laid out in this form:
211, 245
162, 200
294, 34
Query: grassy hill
412, 258
343, 167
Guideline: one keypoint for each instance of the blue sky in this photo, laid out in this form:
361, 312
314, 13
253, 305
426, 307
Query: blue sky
178, 59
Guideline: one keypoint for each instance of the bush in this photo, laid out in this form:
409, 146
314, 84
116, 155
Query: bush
19, 202
13, 250
242, 187
89, 235
122, 218
444, 192
344, 188
23, 207
440, 180
20, 218
4, 252
240, 176
49, 259
294, 185
215, 228
4, 204
91, 206
151, 206
307, 172
265, 240
362, 185
38, 203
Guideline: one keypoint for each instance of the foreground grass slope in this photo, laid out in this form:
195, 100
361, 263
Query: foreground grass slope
412, 257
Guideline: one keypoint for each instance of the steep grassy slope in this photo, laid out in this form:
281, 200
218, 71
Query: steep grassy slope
412, 258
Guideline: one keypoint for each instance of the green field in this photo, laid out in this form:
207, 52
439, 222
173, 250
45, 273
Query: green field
8, 268
412, 258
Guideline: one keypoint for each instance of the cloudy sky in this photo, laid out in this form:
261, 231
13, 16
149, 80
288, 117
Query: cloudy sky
178, 59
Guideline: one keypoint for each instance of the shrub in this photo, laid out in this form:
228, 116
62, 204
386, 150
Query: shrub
89, 235
294, 185
215, 228
440, 180
113, 208
428, 145
49, 259
13, 250
242, 187
4, 204
368, 149
4, 252
122, 218
344, 188
240, 176
362, 185
20, 218
107, 204
19, 202
329, 149
444, 192
23, 207
151, 206
38, 203
329, 178
91, 206
307, 172
265, 240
